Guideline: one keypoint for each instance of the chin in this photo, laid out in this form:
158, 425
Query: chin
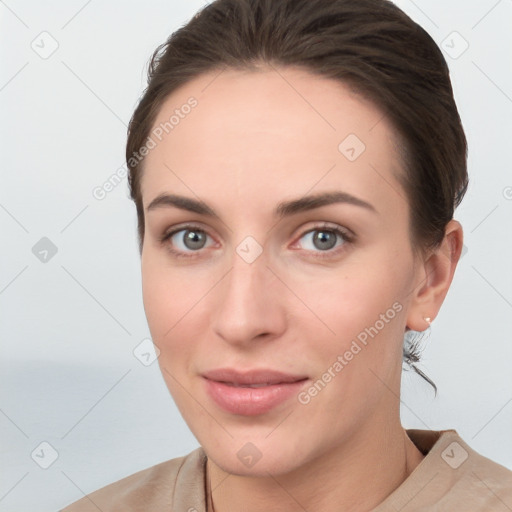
275, 463
255, 455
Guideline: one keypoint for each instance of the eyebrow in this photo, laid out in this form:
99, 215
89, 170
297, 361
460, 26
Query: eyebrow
283, 209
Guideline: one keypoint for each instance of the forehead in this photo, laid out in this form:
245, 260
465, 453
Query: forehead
257, 133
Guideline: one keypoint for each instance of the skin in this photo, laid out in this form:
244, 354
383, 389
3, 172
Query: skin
254, 140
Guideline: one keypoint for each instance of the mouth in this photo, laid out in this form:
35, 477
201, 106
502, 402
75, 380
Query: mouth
252, 392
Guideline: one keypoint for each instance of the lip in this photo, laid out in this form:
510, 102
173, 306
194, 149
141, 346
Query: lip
255, 376
229, 389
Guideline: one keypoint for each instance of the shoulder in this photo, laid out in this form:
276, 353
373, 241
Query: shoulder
154, 488
485, 482
452, 476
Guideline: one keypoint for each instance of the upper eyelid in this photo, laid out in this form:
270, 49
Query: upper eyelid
324, 225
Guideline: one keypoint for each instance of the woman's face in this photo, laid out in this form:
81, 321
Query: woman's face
259, 278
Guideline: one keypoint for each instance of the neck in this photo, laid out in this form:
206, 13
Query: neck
356, 476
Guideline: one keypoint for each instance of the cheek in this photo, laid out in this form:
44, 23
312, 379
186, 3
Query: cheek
158, 303
364, 308
168, 294
176, 312
163, 305
167, 320
173, 310
366, 314
354, 300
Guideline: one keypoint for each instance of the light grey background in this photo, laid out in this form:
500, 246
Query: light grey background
69, 325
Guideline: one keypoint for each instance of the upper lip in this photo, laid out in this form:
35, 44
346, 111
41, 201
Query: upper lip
255, 376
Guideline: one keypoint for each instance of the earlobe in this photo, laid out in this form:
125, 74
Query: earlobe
434, 278
426, 324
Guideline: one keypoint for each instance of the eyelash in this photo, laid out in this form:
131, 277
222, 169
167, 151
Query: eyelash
347, 236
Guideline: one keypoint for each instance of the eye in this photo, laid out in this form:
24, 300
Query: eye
325, 238
185, 240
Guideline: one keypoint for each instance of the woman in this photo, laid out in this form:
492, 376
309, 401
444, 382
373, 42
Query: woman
295, 166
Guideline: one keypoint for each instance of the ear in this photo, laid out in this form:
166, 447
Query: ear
433, 278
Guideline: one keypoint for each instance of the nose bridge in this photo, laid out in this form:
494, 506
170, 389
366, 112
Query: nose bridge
247, 305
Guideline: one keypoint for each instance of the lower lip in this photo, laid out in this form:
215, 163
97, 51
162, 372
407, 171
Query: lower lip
251, 401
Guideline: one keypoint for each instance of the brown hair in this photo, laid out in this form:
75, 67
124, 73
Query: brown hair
369, 45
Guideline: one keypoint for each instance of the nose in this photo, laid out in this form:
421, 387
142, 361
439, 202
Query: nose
250, 303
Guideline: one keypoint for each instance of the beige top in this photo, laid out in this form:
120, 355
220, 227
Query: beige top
451, 477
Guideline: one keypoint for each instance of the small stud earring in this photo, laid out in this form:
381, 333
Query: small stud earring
428, 320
